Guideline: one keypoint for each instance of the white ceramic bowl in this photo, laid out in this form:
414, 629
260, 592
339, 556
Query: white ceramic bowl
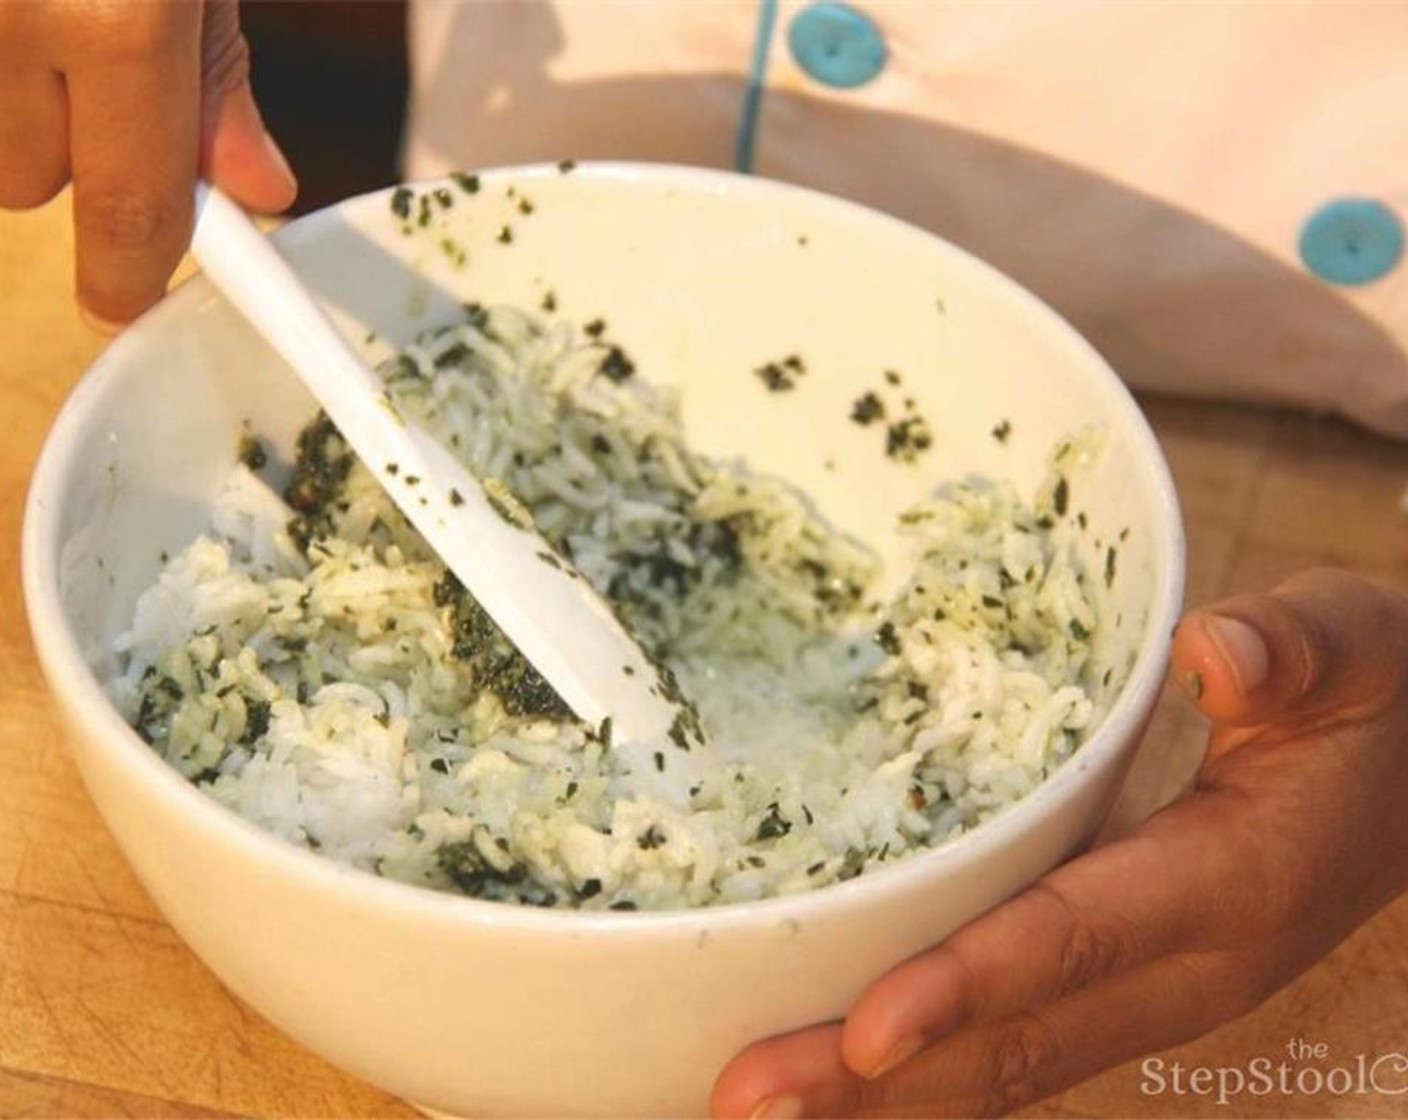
482, 1009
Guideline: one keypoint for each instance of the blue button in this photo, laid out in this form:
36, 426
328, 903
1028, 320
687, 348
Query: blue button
836, 44
1352, 241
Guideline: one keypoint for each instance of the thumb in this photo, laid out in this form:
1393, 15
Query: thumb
236, 151
1322, 643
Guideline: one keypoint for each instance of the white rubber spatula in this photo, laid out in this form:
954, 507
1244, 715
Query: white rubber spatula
549, 612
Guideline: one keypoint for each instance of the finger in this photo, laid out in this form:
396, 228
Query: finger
236, 150
1111, 910
1318, 645
134, 120
998, 1067
994, 1067
33, 136
776, 1077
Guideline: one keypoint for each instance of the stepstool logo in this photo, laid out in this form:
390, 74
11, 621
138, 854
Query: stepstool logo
1307, 1070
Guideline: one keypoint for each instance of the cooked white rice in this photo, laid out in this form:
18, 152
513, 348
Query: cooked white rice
319, 675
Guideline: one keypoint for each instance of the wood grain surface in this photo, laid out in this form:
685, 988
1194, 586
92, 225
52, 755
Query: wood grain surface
104, 1012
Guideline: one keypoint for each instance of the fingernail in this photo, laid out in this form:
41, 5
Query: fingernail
783, 1107
898, 1054
1243, 649
98, 323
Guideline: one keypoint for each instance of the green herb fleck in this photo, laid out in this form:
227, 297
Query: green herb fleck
320, 471
616, 366
477, 316
774, 826
493, 661
468, 870
257, 721
782, 375
251, 452
867, 409
905, 439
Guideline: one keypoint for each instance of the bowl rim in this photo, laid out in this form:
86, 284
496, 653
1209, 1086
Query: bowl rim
86, 701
